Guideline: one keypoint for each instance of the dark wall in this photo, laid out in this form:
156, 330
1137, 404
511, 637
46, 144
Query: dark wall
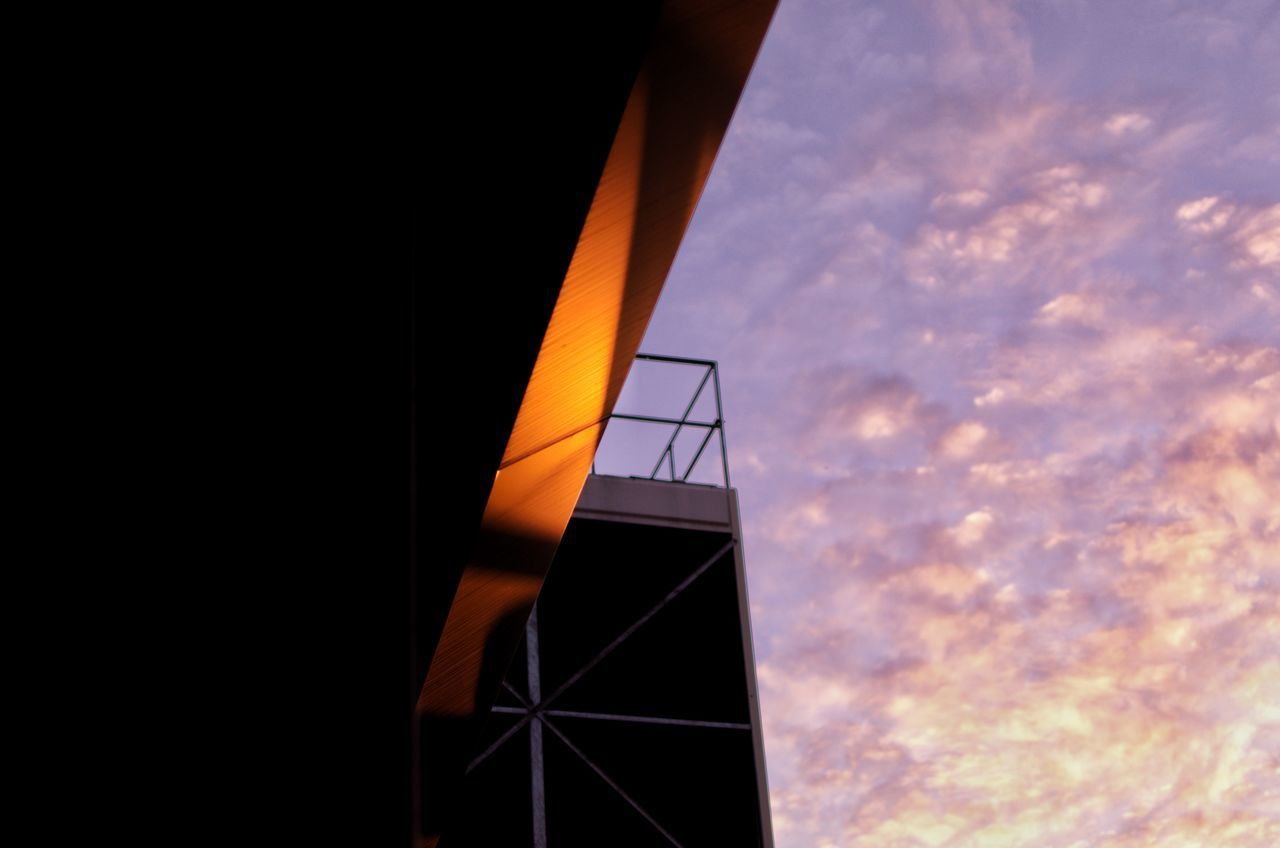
685, 662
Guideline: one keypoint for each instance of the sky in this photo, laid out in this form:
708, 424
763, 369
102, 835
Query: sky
995, 290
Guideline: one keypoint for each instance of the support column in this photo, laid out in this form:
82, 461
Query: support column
537, 775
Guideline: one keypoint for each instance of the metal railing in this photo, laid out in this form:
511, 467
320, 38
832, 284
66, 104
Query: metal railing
668, 454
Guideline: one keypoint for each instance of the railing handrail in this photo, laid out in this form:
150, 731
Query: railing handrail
668, 452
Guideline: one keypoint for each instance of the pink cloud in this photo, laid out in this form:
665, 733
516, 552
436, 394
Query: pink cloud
996, 304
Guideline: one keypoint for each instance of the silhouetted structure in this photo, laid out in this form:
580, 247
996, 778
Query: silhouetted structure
570, 181
629, 715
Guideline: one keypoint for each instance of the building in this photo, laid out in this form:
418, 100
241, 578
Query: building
629, 715
581, 197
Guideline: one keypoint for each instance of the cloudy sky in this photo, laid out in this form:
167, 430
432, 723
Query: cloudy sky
995, 287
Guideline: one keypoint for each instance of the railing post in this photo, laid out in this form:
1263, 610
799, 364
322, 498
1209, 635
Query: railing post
724, 448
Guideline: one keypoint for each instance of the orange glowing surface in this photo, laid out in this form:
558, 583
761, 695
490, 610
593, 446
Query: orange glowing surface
675, 117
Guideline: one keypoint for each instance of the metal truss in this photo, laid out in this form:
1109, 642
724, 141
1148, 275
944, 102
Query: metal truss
668, 454
536, 711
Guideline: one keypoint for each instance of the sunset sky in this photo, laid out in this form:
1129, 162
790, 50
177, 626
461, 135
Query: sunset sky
995, 290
